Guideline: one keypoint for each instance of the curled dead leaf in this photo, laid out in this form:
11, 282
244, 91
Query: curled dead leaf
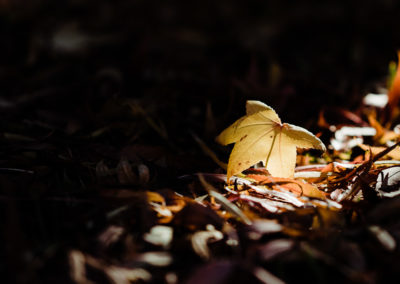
299, 188
200, 241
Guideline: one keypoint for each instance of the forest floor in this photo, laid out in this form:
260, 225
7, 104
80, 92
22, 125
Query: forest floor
109, 169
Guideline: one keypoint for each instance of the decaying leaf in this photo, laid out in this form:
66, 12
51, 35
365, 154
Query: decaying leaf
384, 237
274, 248
78, 269
159, 235
155, 258
224, 202
262, 227
382, 135
375, 150
78, 262
261, 136
201, 238
297, 187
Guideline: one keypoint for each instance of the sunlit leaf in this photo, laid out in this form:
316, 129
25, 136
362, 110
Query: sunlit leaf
261, 136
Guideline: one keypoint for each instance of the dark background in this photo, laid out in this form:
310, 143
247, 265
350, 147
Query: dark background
326, 52
68, 68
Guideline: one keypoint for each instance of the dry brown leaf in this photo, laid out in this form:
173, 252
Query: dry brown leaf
261, 136
382, 135
394, 154
154, 197
297, 187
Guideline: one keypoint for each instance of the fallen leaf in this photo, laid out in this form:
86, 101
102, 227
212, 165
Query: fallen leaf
394, 154
263, 227
382, 135
154, 197
268, 205
384, 237
155, 258
200, 240
299, 188
278, 195
79, 261
77, 267
159, 235
229, 206
261, 136
275, 248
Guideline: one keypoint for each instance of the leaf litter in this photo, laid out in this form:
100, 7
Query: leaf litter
120, 196
257, 226
322, 219
332, 216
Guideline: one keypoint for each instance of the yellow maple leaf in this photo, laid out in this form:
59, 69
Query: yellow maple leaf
261, 136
